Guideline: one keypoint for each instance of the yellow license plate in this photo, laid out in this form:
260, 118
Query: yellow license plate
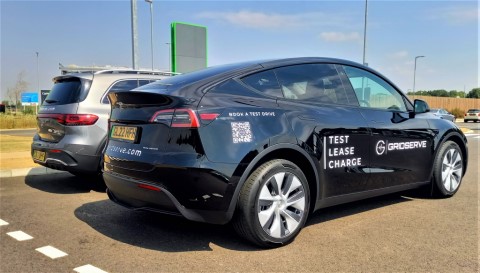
39, 155
125, 133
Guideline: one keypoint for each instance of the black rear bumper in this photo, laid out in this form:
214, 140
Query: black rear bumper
144, 195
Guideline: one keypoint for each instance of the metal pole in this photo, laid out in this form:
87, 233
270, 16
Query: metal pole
151, 28
134, 35
38, 87
415, 72
169, 56
365, 33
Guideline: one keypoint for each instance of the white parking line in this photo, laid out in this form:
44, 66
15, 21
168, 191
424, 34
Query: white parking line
3, 223
51, 252
88, 268
19, 235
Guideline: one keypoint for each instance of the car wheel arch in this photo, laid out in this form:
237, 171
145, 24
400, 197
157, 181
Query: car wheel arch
289, 152
459, 140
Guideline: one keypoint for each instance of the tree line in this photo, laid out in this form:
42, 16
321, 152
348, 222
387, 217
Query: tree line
474, 93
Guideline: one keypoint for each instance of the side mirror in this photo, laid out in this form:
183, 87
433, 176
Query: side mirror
421, 106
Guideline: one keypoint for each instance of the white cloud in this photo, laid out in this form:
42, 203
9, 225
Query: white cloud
456, 15
340, 36
262, 20
402, 54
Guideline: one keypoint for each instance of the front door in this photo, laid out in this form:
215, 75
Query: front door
402, 145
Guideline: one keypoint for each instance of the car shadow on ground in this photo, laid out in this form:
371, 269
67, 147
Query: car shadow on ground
64, 183
343, 210
157, 231
175, 234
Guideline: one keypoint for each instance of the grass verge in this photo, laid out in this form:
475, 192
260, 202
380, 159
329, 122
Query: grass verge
15, 152
13, 144
17, 122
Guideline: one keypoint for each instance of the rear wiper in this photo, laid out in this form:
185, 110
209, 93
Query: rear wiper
51, 101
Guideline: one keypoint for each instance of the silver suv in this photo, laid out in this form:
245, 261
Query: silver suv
72, 123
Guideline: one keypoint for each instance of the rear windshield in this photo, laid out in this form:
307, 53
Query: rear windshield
191, 77
474, 111
66, 91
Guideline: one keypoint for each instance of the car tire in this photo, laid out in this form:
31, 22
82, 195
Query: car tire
273, 204
448, 169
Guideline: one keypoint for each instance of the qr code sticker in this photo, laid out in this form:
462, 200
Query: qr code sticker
241, 132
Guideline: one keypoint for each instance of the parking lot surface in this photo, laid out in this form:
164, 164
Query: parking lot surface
406, 232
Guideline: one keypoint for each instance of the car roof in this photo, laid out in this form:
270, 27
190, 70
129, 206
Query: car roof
220, 71
200, 80
304, 60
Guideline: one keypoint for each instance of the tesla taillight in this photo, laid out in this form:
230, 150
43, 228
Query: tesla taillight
71, 119
185, 118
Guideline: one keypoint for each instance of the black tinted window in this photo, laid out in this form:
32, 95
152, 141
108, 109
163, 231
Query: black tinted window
314, 82
265, 82
125, 85
66, 91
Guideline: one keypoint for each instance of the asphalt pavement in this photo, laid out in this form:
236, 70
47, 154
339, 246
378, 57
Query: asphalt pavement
407, 232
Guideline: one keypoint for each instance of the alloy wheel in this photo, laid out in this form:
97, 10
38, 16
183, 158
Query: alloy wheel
281, 205
451, 170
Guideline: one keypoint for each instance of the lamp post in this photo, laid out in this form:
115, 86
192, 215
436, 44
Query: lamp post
134, 35
151, 27
365, 33
38, 87
169, 56
415, 72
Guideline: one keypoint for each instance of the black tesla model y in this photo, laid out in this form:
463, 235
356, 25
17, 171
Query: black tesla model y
264, 144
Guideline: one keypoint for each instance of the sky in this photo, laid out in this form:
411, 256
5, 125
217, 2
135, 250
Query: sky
88, 33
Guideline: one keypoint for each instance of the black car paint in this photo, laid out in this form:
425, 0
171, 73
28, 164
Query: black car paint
199, 172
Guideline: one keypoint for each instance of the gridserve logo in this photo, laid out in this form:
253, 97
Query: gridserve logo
380, 148
383, 146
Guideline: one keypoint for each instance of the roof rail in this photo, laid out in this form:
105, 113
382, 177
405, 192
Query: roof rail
111, 70
138, 72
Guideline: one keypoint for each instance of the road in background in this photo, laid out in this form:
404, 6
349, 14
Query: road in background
475, 126
407, 232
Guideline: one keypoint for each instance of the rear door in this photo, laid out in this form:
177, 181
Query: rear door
64, 98
402, 145
325, 118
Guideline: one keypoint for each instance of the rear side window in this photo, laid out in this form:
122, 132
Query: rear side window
67, 91
313, 82
124, 85
265, 82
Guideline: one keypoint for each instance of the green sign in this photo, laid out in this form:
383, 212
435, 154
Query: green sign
189, 47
